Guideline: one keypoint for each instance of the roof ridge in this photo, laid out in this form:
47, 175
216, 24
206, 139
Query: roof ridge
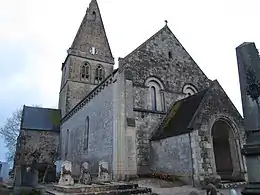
41, 108
200, 105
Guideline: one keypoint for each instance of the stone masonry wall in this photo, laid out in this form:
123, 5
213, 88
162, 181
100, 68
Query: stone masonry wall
73, 88
172, 156
100, 112
41, 145
216, 106
151, 60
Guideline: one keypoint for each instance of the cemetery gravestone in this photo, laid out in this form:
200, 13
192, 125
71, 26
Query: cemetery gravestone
65, 177
103, 173
85, 177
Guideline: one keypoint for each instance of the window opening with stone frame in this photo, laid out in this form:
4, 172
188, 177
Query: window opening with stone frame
99, 74
153, 98
85, 71
155, 94
189, 90
86, 134
67, 143
170, 54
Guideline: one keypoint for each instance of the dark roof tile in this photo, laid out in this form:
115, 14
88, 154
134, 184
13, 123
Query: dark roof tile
35, 118
177, 120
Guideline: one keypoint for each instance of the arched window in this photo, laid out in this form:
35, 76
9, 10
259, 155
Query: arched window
155, 94
189, 90
99, 74
67, 143
86, 134
85, 71
153, 98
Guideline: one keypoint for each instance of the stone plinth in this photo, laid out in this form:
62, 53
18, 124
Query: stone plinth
249, 77
18, 190
99, 188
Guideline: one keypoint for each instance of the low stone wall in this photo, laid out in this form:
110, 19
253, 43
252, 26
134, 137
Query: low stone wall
172, 156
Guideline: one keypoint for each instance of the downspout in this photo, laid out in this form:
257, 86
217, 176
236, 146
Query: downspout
192, 169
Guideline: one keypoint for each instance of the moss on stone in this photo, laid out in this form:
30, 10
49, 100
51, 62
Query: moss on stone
55, 118
173, 111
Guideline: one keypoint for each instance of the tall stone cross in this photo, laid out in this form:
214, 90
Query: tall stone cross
249, 76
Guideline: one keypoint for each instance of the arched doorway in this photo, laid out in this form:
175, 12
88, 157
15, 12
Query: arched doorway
221, 135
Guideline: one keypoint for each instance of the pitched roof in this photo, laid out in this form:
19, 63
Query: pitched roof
46, 119
177, 119
91, 33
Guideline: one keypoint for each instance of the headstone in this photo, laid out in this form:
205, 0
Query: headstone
103, 174
85, 177
211, 189
233, 192
26, 179
65, 176
249, 77
17, 176
4, 171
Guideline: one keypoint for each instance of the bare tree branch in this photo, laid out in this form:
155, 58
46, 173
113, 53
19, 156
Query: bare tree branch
10, 132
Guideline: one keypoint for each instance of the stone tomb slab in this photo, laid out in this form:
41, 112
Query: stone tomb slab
100, 187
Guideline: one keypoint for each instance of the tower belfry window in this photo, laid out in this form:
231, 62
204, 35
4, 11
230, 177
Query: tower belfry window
85, 71
99, 74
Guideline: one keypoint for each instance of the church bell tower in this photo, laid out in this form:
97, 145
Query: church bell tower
88, 62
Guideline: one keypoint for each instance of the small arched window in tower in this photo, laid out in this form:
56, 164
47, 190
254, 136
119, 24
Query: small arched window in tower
99, 74
153, 98
85, 71
170, 54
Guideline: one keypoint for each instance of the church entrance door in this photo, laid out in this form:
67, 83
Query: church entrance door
221, 145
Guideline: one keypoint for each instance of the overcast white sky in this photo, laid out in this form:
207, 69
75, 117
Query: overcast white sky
35, 34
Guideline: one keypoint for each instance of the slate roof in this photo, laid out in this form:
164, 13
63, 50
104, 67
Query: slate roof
44, 119
178, 118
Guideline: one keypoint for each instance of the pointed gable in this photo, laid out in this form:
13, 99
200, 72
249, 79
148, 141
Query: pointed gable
91, 40
162, 55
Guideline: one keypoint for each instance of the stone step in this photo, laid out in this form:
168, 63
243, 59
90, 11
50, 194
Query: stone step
97, 187
138, 191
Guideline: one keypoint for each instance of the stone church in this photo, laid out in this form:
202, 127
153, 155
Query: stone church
157, 112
